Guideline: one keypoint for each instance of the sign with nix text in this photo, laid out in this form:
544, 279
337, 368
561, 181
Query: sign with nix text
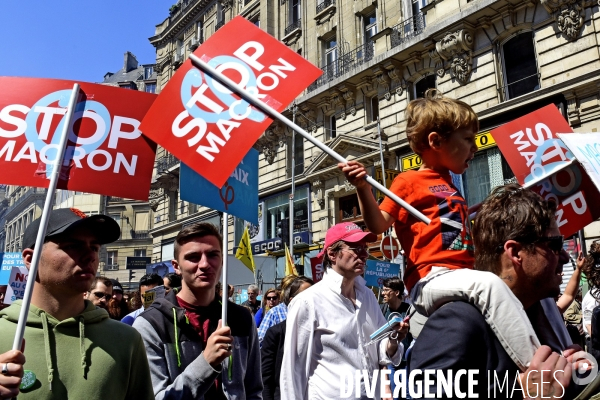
238, 196
206, 126
16, 284
532, 149
106, 152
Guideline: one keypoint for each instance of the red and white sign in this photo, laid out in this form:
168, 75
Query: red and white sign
106, 152
532, 149
205, 125
316, 265
390, 247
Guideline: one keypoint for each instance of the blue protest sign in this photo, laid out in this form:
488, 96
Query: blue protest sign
7, 262
238, 196
377, 271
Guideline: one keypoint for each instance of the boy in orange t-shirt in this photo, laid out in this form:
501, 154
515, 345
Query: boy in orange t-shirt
440, 255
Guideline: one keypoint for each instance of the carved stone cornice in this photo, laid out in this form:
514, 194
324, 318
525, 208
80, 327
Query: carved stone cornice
383, 80
268, 143
325, 105
348, 92
309, 114
568, 14
456, 47
367, 86
394, 71
226, 4
318, 189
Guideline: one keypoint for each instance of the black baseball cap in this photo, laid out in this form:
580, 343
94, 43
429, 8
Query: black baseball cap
117, 285
63, 220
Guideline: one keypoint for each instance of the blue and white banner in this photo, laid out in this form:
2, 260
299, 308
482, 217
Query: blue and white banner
238, 196
7, 262
377, 271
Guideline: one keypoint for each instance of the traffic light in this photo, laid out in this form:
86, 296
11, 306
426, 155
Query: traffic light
283, 230
131, 275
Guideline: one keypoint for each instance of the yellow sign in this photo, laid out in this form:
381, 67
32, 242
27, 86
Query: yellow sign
390, 175
484, 140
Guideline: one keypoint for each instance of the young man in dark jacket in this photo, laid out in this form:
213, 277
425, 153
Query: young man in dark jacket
191, 355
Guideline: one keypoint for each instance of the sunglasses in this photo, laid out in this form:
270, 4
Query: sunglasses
554, 243
100, 295
271, 298
358, 250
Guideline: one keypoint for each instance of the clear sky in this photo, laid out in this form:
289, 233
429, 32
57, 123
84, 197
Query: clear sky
76, 39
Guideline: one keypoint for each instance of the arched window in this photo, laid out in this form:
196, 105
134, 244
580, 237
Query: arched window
520, 66
421, 86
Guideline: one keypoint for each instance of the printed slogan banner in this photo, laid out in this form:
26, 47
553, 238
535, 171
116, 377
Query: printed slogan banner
532, 148
238, 196
377, 271
7, 262
206, 126
16, 284
586, 148
106, 152
316, 265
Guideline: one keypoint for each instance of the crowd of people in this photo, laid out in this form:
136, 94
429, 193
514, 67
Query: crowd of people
475, 296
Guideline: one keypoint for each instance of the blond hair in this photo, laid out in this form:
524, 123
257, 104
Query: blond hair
435, 113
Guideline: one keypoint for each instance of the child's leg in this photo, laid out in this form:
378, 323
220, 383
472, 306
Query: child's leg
503, 312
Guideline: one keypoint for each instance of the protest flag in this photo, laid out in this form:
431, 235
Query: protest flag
244, 251
290, 267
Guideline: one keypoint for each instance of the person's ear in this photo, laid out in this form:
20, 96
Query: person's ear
27, 255
175, 265
435, 140
512, 250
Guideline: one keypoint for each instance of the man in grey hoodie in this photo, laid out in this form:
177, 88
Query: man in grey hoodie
191, 355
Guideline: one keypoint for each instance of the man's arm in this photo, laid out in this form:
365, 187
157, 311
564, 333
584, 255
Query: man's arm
571, 290
297, 351
268, 352
253, 385
140, 381
193, 381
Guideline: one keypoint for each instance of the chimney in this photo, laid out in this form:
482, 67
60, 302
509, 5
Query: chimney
130, 62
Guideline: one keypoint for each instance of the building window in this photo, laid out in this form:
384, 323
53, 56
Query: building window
256, 20
150, 87
148, 71
112, 259
116, 217
487, 170
172, 205
370, 25
330, 126
349, 208
520, 66
167, 251
200, 31
142, 221
421, 86
278, 209
372, 109
295, 12
139, 252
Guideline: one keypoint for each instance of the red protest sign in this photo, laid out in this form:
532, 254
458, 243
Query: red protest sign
106, 152
316, 265
533, 150
205, 125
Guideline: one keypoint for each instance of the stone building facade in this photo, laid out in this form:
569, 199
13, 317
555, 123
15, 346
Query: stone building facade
504, 58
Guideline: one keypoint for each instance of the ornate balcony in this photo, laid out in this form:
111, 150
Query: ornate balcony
407, 29
323, 5
344, 64
293, 26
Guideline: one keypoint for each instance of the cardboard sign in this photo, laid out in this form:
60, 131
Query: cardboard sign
7, 262
532, 149
153, 294
16, 284
205, 125
106, 152
239, 195
316, 265
586, 148
377, 271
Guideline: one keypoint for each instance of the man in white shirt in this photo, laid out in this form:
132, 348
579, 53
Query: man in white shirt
587, 306
329, 324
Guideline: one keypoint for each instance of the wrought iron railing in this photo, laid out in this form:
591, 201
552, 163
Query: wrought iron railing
293, 26
111, 267
345, 63
323, 5
166, 162
139, 235
406, 29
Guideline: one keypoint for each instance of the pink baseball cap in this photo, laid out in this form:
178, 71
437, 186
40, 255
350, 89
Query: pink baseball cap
348, 232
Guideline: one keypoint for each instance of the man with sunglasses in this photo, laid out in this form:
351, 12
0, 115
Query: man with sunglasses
517, 238
329, 325
73, 350
101, 292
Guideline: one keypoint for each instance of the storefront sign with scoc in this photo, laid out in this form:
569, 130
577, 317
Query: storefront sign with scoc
275, 244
